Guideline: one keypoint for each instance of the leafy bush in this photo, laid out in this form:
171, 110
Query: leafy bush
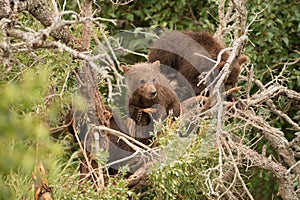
165, 14
25, 137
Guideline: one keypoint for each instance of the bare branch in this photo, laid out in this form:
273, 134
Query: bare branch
273, 135
286, 189
267, 94
120, 134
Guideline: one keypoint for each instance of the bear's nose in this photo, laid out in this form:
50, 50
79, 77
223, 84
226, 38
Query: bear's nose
153, 93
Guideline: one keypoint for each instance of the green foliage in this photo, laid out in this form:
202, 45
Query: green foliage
183, 178
33, 96
275, 37
24, 138
181, 172
20, 122
17, 185
166, 14
276, 32
260, 185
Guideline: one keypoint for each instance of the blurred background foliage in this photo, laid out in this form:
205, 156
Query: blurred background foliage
35, 94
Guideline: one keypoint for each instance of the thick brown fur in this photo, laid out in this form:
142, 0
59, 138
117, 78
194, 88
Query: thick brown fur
176, 50
148, 96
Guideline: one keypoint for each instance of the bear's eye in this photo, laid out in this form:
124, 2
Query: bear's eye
154, 80
142, 81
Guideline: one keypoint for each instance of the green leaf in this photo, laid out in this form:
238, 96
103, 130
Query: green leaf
130, 17
286, 41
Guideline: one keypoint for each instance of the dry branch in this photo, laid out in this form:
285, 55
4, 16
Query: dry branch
273, 135
233, 18
120, 134
267, 93
286, 188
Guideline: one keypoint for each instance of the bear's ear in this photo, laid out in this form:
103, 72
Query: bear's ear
243, 59
126, 68
156, 63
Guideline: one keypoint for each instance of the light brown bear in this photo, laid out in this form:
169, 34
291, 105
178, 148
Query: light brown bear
148, 97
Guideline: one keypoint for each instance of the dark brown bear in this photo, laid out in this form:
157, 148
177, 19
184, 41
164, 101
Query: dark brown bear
148, 97
177, 50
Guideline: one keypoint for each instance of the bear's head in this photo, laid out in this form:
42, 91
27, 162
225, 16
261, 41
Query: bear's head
142, 82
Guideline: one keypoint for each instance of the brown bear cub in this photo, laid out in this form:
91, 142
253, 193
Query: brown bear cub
177, 50
148, 97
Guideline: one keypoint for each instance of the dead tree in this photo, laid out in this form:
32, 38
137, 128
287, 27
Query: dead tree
231, 147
